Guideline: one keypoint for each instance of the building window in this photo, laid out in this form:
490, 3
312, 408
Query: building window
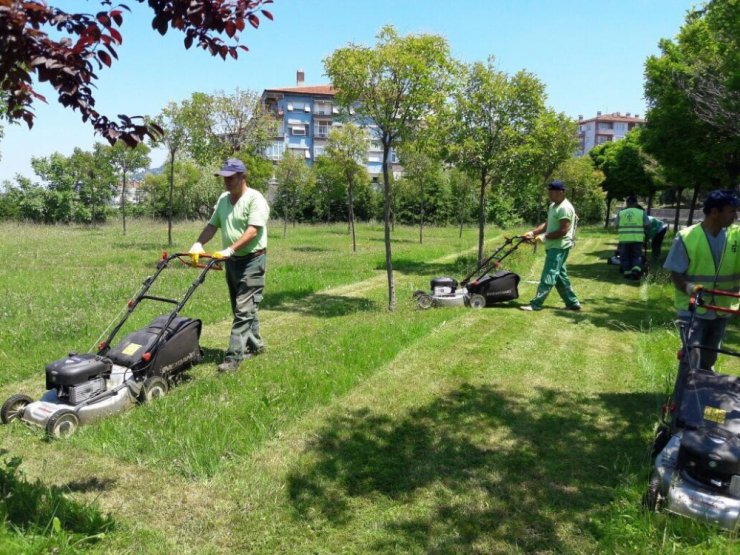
605, 126
323, 108
290, 107
601, 139
318, 150
321, 129
275, 151
298, 130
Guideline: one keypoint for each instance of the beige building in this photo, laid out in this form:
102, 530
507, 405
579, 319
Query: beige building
605, 128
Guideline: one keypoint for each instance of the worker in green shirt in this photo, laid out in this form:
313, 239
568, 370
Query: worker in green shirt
558, 234
241, 213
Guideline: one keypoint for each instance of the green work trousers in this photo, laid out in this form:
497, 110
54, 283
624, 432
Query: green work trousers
555, 274
245, 277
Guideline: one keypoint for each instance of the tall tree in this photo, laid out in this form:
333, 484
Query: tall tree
293, 177
491, 118
45, 43
392, 85
124, 161
347, 148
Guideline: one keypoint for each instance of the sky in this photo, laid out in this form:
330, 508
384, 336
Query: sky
589, 54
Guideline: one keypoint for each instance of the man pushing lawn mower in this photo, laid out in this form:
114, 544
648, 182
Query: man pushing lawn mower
242, 214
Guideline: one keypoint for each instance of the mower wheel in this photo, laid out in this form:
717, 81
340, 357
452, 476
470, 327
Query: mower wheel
477, 301
154, 387
662, 435
62, 424
425, 301
13, 407
418, 293
653, 499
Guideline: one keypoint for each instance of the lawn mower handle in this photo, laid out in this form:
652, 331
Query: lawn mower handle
697, 300
492, 261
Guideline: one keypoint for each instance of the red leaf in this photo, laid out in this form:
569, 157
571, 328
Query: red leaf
104, 57
103, 18
254, 20
240, 24
232, 52
230, 28
116, 35
267, 14
116, 15
188, 41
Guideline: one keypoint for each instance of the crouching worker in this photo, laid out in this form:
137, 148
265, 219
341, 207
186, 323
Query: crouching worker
559, 233
241, 213
632, 223
705, 256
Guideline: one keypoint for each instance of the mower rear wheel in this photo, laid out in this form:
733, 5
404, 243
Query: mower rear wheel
62, 424
653, 499
154, 387
477, 301
418, 293
425, 301
13, 407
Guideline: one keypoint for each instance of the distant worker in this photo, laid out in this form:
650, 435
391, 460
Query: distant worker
559, 233
655, 234
632, 223
242, 214
702, 256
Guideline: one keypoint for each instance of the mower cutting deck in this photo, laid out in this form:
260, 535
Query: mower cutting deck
83, 388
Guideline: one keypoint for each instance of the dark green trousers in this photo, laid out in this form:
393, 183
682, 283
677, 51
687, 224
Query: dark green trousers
554, 274
245, 277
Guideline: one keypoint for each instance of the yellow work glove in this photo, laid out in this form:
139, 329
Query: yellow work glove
228, 252
693, 288
195, 251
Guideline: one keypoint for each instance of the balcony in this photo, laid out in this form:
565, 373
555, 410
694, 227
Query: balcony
321, 131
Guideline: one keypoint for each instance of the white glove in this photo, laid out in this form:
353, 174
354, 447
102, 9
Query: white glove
693, 288
197, 248
226, 253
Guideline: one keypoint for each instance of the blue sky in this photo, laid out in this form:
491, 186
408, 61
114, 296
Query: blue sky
589, 54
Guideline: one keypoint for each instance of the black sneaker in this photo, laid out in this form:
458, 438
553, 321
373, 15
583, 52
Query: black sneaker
252, 354
228, 365
575, 307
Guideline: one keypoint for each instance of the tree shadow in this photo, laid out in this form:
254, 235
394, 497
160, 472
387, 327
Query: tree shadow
458, 268
328, 306
490, 466
310, 249
86, 485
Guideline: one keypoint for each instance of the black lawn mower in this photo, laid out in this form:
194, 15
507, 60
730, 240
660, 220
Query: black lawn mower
85, 387
479, 288
696, 451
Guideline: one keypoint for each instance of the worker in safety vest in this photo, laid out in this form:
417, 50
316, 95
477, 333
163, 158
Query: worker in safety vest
632, 224
655, 234
702, 256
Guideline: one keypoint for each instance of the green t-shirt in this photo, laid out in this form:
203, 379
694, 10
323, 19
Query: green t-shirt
555, 213
655, 226
250, 209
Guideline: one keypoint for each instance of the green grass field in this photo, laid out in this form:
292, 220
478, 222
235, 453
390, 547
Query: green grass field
360, 431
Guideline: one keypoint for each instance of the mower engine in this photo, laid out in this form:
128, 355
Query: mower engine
78, 378
443, 286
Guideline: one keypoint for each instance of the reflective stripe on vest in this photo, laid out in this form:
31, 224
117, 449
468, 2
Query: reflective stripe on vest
631, 225
702, 269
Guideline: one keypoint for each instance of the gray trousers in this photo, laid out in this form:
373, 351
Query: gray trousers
245, 277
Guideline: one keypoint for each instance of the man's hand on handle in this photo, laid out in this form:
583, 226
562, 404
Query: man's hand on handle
228, 252
195, 251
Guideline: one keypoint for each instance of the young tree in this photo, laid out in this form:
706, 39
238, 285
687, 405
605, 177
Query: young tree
45, 43
393, 86
347, 148
330, 188
490, 120
462, 190
293, 176
124, 161
419, 168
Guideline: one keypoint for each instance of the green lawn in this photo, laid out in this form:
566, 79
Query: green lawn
360, 431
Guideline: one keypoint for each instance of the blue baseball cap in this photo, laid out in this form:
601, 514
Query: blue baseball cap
556, 185
720, 198
231, 166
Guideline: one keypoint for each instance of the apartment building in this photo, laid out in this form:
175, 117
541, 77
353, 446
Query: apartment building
304, 116
605, 128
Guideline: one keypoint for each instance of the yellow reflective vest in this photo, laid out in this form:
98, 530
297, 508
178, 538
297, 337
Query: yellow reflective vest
702, 269
631, 225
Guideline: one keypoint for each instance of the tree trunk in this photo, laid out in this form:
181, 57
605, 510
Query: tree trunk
387, 221
421, 219
608, 211
169, 206
650, 202
92, 195
352, 216
693, 203
285, 222
462, 211
123, 201
679, 192
482, 214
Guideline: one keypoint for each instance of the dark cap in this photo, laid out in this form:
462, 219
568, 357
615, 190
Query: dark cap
231, 166
632, 199
719, 199
556, 185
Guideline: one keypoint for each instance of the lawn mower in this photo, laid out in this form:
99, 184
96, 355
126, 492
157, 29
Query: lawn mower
85, 387
484, 290
696, 450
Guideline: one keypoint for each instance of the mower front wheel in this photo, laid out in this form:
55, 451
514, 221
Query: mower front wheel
425, 301
477, 301
13, 408
653, 498
154, 387
62, 424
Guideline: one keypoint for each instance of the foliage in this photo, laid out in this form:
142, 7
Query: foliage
693, 94
124, 161
293, 178
584, 188
394, 85
489, 121
46, 43
627, 171
193, 194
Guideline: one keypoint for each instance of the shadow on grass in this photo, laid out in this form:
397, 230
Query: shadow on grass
486, 466
89, 484
458, 268
311, 249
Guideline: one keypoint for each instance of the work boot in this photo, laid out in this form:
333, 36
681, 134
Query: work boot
251, 354
228, 365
